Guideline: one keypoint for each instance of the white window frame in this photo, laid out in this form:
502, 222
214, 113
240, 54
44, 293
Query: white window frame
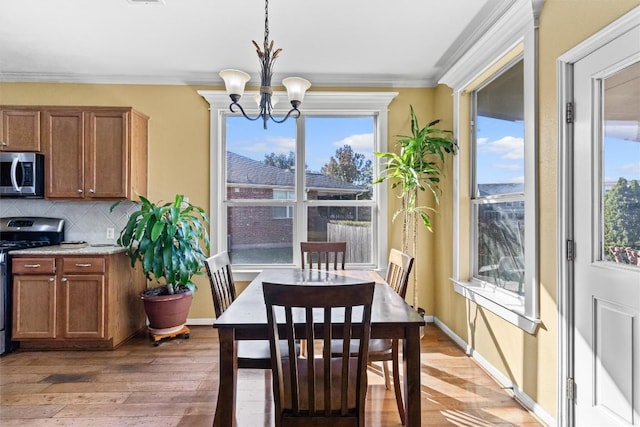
518, 26
315, 103
477, 200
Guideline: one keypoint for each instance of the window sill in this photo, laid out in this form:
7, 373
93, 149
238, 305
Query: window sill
508, 307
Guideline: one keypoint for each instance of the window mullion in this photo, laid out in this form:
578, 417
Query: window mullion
300, 215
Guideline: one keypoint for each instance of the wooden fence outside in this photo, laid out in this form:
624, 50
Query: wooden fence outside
358, 240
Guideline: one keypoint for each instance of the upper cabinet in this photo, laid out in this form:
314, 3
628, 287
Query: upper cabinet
19, 130
95, 153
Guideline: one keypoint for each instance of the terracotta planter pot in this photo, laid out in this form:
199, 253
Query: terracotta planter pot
167, 313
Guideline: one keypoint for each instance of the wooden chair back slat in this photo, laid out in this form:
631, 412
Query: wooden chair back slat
325, 387
223, 288
320, 253
398, 271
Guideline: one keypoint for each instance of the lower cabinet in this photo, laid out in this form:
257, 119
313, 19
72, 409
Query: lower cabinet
76, 302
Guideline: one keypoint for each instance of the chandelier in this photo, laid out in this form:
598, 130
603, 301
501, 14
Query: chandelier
235, 80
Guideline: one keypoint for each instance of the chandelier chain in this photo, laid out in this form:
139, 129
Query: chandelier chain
266, 22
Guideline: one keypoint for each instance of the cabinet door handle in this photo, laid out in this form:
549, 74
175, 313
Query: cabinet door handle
79, 190
64, 279
32, 266
51, 279
91, 191
83, 265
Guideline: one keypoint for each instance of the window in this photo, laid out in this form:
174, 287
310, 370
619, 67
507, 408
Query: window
495, 259
497, 196
283, 212
305, 179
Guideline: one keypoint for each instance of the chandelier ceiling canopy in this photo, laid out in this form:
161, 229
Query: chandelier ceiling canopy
235, 81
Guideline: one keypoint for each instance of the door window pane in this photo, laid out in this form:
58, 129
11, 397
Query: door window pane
621, 166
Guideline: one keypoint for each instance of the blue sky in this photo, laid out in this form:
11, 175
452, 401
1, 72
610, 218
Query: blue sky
501, 151
500, 156
500, 144
324, 136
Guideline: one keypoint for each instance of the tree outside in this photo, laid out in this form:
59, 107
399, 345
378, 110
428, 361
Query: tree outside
281, 160
348, 166
622, 221
345, 165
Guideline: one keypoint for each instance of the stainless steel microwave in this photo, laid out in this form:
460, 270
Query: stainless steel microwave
22, 175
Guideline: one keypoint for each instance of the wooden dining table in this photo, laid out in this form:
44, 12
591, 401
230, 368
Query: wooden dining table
246, 319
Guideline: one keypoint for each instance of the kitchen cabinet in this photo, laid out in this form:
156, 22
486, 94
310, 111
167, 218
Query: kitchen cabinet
95, 153
83, 292
83, 301
19, 130
34, 298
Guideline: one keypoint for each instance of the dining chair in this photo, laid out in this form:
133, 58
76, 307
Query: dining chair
385, 350
322, 253
251, 354
328, 390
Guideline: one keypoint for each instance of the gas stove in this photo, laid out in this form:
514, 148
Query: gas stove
21, 233
29, 232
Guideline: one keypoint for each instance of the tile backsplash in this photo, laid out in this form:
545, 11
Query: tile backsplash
87, 221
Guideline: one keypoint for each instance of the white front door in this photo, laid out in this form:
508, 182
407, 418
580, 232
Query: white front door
606, 186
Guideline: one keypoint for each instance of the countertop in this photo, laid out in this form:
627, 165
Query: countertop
97, 249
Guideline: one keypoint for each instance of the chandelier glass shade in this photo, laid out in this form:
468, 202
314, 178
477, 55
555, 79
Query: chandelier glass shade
235, 81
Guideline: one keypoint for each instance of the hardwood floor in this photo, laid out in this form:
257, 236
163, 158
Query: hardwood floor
175, 384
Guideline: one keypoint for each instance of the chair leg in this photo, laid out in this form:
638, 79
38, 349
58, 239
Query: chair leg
387, 379
303, 348
396, 380
268, 387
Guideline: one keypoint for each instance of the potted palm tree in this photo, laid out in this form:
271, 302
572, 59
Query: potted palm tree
170, 242
416, 169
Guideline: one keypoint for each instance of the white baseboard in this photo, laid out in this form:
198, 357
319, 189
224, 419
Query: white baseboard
524, 399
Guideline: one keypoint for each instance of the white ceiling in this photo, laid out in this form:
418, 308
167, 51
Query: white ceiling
330, 42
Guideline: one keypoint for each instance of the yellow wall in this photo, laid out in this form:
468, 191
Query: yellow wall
423, 102
528, 360
179, 141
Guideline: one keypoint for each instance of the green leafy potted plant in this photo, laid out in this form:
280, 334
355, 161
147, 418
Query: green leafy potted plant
170, 241
416, 169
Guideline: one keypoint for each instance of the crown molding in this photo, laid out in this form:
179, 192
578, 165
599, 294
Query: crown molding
212, 79
503, 35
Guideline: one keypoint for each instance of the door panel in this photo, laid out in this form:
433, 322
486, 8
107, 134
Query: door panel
606, 162
613, 359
